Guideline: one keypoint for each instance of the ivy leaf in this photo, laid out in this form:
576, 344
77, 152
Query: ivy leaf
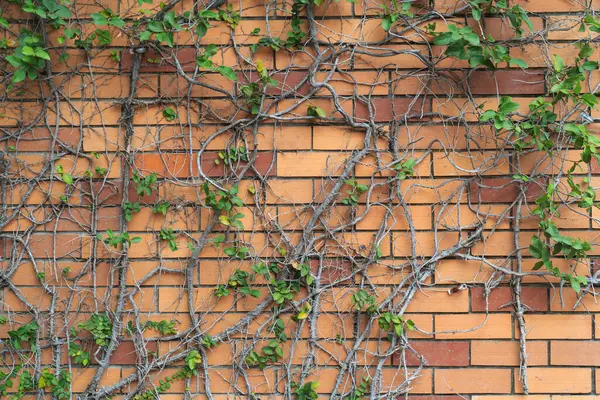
67, 178
227, 72
41, 53
507, 105
590, 65
317, 112
28, 51
589, 99
518, 62
386, 23
558, 62
19, 76
145, 36
575, 284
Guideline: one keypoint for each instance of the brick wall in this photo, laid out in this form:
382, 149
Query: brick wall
445, 246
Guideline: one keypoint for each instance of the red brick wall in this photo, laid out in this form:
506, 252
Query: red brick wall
445, 247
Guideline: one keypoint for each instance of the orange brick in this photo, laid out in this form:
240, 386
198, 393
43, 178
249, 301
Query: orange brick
473, 380
565, 352
439, 301
473, 326
310, 164
496, 352
558, 326
556, 380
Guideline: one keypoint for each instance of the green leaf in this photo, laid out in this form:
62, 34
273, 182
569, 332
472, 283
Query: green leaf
227, 72
518, 62
314, 111
386, 23
67, 178
590, 65
558, 62
507, 105
19, 76
28, 51
575, 285
41, 53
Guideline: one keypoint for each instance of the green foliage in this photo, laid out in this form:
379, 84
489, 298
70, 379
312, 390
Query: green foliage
100, 326
208, 341
394, 324
233, 220
221, 291
316, 112
29, 58
107, 17
129, 209
240, 252
303, 270
3, 22
295, 37
169, 114
303, 313
362, 300
464, 44
538, 130
204, 60
253, 91
406, 168
308, 391
229, 16
192, 360
570, 248
162, 31
239, 281
168, 235
273, 351
79, 355
25, 333
356, 190
163, 327
117, 239
203, 21
161, 208
282, 291
232, 156
50, 10
566, 82
144, 185
363, 390
393, 12
65, 176
100, 171
25, 384
6, 380
515, 15
60, 385
227, 199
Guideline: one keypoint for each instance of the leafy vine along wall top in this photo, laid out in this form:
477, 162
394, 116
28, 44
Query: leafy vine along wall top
299, 199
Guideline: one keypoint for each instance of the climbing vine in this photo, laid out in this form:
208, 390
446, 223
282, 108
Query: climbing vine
170, 175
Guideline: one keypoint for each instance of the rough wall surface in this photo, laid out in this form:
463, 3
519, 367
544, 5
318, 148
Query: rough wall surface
241, 204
